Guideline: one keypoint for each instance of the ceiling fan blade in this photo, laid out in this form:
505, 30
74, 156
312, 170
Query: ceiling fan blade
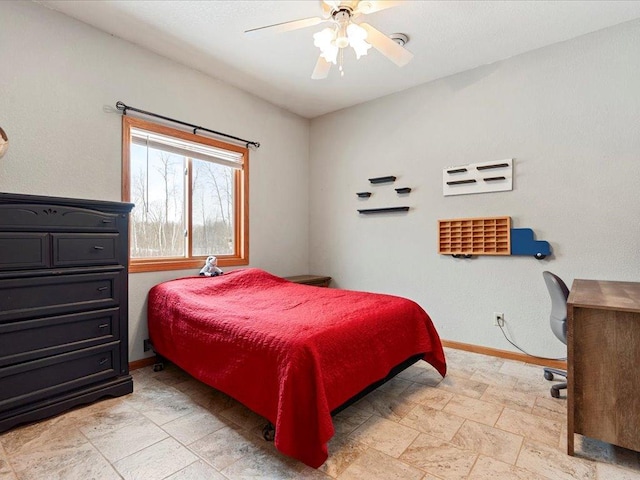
322, 69
372, 6
331, 3
390, 49
286, 26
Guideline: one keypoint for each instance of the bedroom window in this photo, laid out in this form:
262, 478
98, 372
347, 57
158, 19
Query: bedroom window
190, 194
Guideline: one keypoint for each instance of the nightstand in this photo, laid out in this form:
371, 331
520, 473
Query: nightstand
315, 280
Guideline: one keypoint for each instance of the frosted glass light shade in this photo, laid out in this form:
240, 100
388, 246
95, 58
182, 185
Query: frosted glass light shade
325, 41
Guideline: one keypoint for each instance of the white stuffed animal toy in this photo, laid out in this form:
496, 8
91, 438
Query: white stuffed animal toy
210, 268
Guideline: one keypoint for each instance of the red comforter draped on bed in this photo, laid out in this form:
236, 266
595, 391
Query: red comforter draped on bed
291, 353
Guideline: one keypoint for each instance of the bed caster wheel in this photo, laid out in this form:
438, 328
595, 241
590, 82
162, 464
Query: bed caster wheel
548, 376
467, 256
158, 367
555, 393
455, 255
269, 432
540, 256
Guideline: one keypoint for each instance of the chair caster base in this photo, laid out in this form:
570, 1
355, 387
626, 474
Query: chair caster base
555, 390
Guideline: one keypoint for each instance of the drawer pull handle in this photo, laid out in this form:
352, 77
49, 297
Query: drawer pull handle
102, 289
103, 361
98, 247
106, 220
104, 325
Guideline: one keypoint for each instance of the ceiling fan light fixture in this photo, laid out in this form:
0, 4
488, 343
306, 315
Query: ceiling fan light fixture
342, 17
357, 36
332, 41
342, 38
361, 48
325, 41
323, 38
331, 54
356, 32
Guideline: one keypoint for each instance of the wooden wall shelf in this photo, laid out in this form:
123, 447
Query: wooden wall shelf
383, 210
388, 179
475, 236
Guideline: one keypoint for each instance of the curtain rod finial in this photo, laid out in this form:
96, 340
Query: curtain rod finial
122, 106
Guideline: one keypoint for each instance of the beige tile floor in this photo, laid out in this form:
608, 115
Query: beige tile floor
489, 419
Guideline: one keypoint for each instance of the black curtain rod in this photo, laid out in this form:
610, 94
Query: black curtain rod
122, 107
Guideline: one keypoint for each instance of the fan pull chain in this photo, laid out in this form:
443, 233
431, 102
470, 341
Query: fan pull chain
340, 61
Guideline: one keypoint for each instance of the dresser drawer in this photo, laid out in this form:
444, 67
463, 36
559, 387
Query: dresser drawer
37, 297
85, 249
56, 218
32, 339
40, 379
20, 251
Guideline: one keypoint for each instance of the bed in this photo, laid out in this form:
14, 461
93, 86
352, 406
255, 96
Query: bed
291, 353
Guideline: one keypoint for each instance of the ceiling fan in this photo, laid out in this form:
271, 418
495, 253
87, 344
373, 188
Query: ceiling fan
344, 32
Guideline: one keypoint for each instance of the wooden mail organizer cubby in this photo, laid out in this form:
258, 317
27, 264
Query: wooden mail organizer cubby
475, 236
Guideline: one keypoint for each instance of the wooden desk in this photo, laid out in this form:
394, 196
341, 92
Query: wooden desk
315, 280
603, 341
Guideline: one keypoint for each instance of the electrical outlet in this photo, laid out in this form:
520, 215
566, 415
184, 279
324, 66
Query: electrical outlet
498, 319
146, 345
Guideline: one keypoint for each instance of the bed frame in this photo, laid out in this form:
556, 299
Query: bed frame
269, 430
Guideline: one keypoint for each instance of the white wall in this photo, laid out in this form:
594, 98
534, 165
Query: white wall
568, 114
56, 77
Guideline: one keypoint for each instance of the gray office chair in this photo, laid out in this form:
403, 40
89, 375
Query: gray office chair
559, 294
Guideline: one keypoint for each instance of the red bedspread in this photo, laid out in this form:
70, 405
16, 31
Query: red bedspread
291, 353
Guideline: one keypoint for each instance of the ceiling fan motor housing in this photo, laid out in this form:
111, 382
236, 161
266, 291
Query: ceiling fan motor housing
342, 14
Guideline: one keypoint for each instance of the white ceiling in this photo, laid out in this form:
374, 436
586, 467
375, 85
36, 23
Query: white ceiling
446, 37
